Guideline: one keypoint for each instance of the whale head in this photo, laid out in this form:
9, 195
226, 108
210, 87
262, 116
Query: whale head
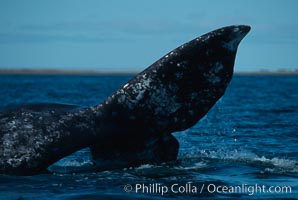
177, 90
198, 72
208, 59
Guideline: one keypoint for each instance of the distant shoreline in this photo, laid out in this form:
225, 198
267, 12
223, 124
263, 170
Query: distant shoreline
94, 72
61, 72
265, 72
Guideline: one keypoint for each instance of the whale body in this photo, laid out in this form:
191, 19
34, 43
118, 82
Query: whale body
135, 124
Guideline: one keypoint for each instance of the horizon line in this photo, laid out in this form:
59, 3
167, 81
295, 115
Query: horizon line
53, 71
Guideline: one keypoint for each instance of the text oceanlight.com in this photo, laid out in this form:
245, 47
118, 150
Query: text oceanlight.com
190, 188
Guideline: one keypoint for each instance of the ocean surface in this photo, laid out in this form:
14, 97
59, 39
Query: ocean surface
246, 147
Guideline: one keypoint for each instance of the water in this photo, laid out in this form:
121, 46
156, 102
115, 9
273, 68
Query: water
249, 137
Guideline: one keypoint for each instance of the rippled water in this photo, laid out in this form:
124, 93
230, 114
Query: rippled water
249, 137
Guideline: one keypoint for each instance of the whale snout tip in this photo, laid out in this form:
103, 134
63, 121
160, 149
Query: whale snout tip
240, 31
244, 28
235, 35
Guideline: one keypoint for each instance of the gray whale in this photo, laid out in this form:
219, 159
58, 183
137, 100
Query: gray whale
132, 126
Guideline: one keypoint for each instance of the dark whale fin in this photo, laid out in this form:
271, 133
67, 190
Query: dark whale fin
170, 95
114, 154
133, 125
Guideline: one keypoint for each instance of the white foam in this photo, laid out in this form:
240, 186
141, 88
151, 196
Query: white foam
279, 162
145, 166
276, 165
194, 166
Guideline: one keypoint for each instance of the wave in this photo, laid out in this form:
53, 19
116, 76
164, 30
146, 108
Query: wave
187, 162
271, 165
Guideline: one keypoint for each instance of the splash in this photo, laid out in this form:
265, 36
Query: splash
271, 165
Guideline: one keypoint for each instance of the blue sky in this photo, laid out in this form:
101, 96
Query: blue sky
130, 35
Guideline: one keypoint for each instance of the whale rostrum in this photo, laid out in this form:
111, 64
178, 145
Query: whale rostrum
135, 124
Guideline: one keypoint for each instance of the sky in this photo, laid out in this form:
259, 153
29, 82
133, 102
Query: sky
130, 35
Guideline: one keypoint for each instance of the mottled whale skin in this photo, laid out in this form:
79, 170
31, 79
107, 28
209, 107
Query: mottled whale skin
170, 95
132, 126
